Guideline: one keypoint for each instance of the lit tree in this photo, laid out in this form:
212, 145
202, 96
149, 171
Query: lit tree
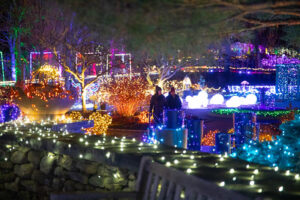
13, 31
126, 95
74, 46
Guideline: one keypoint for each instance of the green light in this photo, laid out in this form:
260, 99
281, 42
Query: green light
265, 113
2, 65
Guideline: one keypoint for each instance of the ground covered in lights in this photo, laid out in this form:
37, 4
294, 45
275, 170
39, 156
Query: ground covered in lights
249, 179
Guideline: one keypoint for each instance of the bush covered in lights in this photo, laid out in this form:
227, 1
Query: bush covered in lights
75, 116
9, 112
101, 123
283, 152
127, 95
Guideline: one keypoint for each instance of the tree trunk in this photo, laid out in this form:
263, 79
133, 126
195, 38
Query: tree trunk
83, 96
12, 44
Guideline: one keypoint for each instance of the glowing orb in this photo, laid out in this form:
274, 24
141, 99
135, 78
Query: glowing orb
217, 99
234, 102
251, 99
199, 101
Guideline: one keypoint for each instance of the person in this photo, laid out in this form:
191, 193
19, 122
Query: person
157, 104
173, 100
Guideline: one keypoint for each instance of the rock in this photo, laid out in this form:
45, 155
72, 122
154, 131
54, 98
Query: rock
24, 170
87, 167
119, 178
131, 177
66, 162
13, 186
89, 188
75, 176
30, 185
38, 176
6, 195
79, 186
131, 185
57, 184
7, 177
47, 163
19, 157
114, 169
24, 195
6, 165
69, 186
96, 181
59, 171
35, 157
107, 182
103, 171
23, 149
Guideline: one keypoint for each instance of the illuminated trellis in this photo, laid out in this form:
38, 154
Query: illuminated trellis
47, 57
288, 81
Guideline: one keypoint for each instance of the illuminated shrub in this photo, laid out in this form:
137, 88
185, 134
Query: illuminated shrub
101, 123
210, 138
127, 95
75, 116
143, 117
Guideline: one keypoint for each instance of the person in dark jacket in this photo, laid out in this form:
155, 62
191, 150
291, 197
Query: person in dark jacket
157, 103
173, 100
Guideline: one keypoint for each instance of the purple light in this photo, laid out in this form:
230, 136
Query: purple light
273, 60
9, 112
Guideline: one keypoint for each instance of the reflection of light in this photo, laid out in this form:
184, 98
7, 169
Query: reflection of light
166, 94
217, 99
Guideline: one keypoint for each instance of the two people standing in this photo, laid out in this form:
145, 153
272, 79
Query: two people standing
158, 103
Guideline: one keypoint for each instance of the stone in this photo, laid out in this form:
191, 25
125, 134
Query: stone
65, 162
79, 186
24, 170
13, 186
96, 181
59, 171
30, 185
7, 177
6, 165
6, 195
107, 182
131, 177
24, 195
103, 171
56, 184
23, 149
47, 163
19, 157
35, 157
38, 176
119, 178
87, 167
131, 184
75, 176
69, 186
89, 188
